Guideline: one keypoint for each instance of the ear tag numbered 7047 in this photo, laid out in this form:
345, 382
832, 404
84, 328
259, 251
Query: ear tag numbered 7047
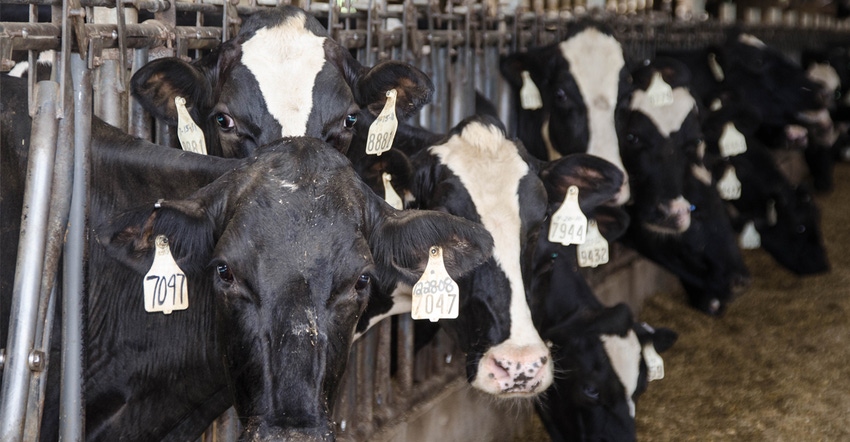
166, 286
729, 187
569, 224
594, 251
190, 135
659, 92
435, 295
732, 142
390, 195
382, 131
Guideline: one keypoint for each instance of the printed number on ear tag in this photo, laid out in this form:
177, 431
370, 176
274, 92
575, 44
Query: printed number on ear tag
568, 225
654, 363
732, 142
166, 287
594, 251
382, 131
390, 195
659, 92
190, 135
435, 295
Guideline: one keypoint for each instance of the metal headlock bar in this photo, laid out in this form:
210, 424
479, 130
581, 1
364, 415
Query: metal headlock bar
100, 43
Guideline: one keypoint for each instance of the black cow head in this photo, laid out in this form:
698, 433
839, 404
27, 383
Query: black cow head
280, 76
287, 245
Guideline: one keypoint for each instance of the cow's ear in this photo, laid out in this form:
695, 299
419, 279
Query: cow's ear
612, 221
598, 180
401, 241
371, 169
130, 237
413, 88
157, 84
616, 320
662, 338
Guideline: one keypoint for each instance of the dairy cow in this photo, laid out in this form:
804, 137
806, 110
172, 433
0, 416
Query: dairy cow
279, 253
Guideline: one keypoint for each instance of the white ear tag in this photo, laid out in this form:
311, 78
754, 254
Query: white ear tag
731, 142
166, 287
716, 105
190, 135
382, 131
435, 295
529, 95
659, 92
594, 250
729, 186
750, 238
771, 213
654, 363
390, 195
568, 225
715, 68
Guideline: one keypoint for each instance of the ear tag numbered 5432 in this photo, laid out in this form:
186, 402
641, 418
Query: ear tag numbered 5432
190, 135
659, 92
382, 131
390, 195
729, 187
435, 295
569, 224
166, 286
594, 251
732, 142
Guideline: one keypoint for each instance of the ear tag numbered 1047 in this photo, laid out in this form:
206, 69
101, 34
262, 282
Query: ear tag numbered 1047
732, 142
594, 251
654, 363
382, 131
729, 187
166, 286
750, 238
659, 92
390, 195
435, 295
569, 224
529, 95
190, 135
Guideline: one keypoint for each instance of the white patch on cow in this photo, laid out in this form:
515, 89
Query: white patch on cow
46, 58
667, 119
752, 40
625, 356
824, 74
401, 297
285, 60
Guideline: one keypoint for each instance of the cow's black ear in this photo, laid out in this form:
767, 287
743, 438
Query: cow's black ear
130, 237
371, 169
662, 338
612, 221
616, 320
159, 82
413, 88
597, 179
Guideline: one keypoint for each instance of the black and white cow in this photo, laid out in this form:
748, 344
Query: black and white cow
583, 90
280, 76
662, 147
278, 251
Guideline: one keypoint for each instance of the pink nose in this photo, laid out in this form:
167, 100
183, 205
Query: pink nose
517, 371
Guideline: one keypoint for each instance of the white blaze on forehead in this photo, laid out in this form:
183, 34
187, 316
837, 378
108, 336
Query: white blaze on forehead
595, 62
625, 356
752, 40
667, 119
490, 168
825, 75
285, 60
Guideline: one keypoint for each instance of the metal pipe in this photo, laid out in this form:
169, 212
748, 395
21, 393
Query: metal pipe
16, 373
139, 121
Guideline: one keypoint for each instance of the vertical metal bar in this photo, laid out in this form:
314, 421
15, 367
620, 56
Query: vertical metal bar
72, 408
25, 293
140, 122
405, 361
383, 409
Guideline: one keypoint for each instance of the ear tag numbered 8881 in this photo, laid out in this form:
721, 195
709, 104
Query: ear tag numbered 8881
569, 224
594, 251
190, 135
166, 286
435, 295
382, 131
390, 195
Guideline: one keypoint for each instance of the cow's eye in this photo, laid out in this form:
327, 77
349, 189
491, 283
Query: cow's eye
561, 95
632, 140
225, 122
224, 273
350, 120
590, 391
362, 282
801, 229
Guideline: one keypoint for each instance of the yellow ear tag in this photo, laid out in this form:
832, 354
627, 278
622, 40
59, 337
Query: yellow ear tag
190, 135
166, 287
731, 141
382, 131
659, 92
568, 225
750, 238
390, 195
729, 186
435, 295
594, 251
715, 68
654, 363
529, 95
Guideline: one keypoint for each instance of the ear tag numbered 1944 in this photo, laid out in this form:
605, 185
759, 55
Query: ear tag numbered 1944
190, 135
166, 286
382, 131
390, 195
435, 295
569, 224
594, 251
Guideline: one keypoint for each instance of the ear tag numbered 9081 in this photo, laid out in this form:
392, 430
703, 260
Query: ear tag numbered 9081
390, 195
166, 286
529, 95
435, 295
594, 251
729, 187
659, 92
569, 224
190, 135
732, 142
382, 131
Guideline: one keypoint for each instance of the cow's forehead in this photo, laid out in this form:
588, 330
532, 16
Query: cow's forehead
595, 60
669, 118
286, 59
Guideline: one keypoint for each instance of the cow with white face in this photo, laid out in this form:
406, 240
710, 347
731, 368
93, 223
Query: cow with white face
582, 87
280, 76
